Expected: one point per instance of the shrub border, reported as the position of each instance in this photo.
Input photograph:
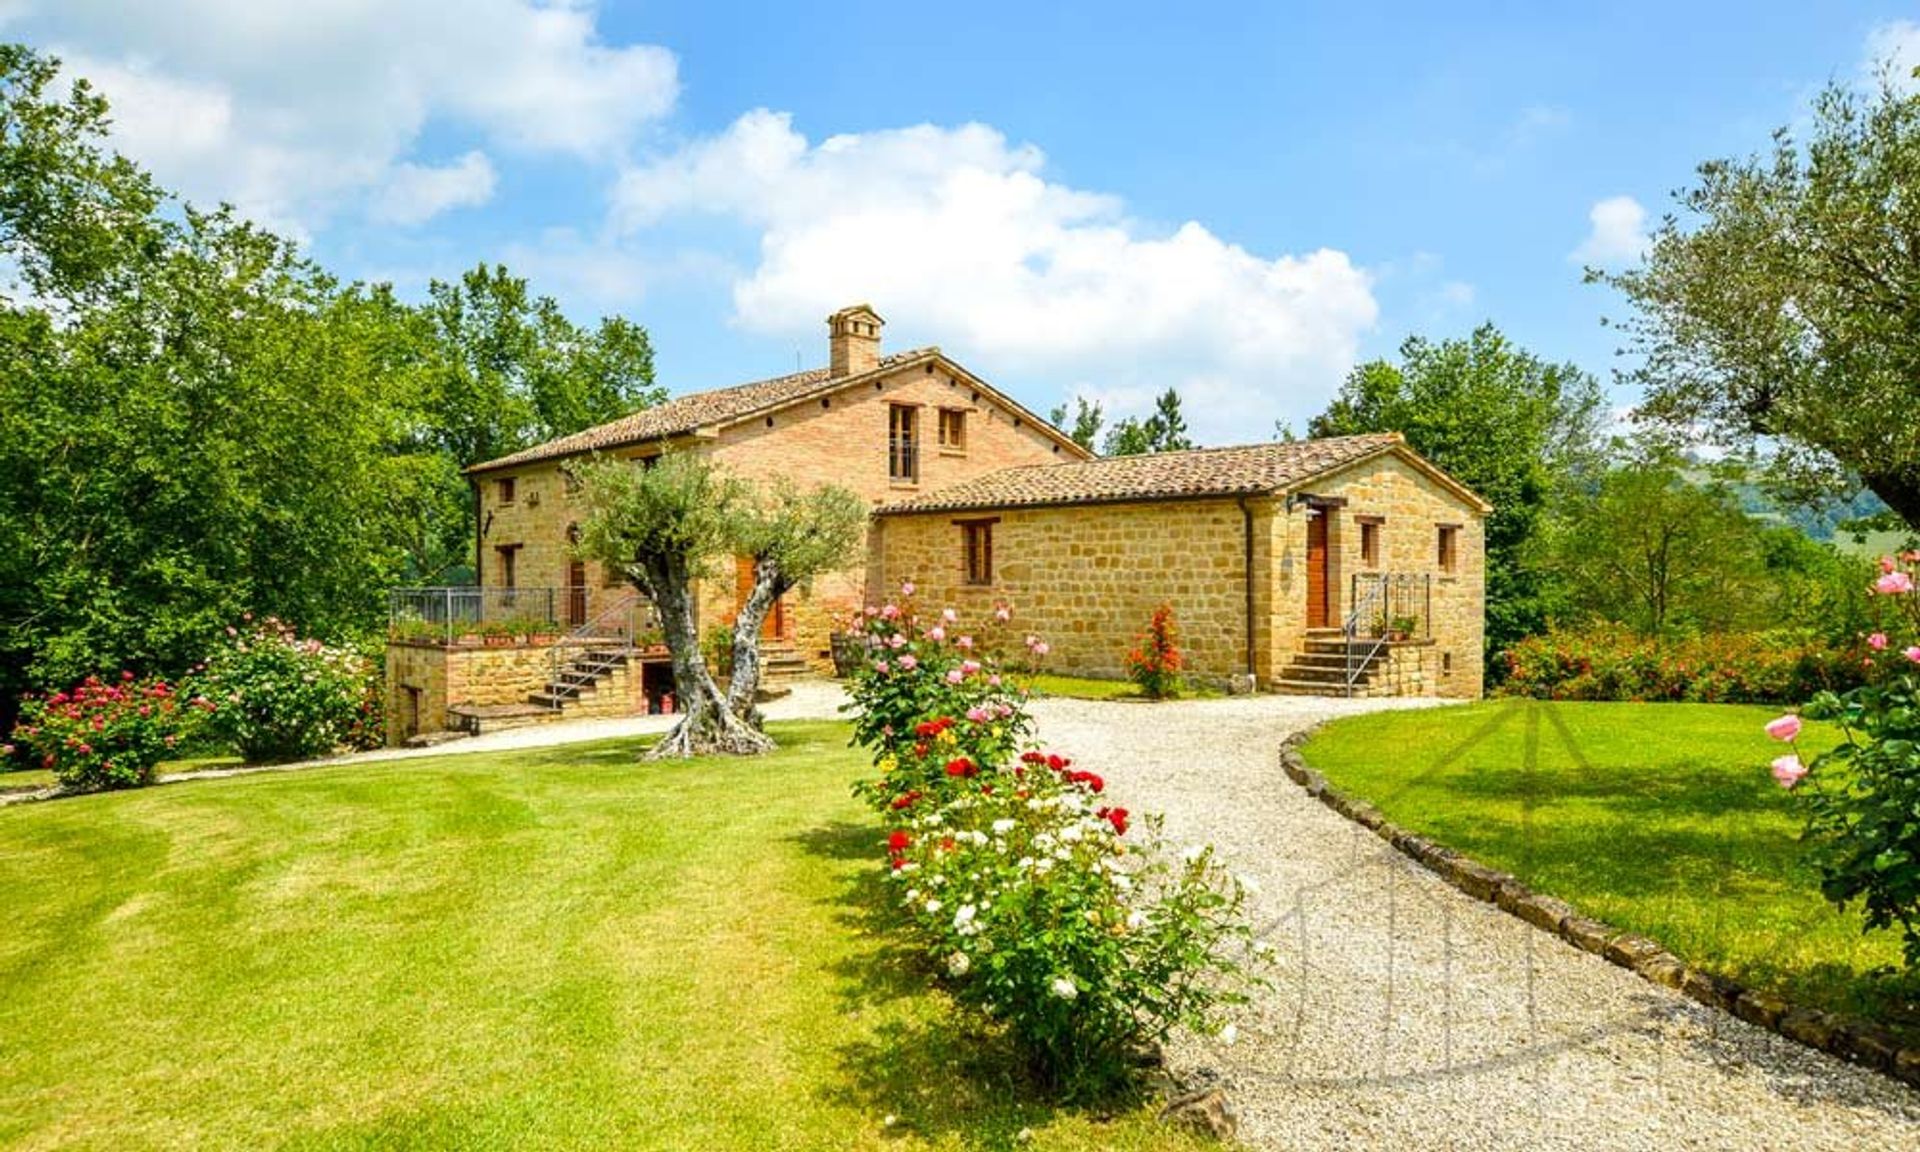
(1852, 1040)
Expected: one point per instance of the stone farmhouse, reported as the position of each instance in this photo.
(1338, 566)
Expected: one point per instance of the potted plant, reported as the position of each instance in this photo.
(497, 634)
(1403, 627)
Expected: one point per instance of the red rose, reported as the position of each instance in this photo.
(1033, 757)
(1058, 763)
(1116, 817)
(899, 841)
(962, 767)
(905, 800)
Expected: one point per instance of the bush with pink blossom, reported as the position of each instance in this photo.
(1862, 798)
(280, 696)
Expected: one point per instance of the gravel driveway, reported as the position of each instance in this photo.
(1407, 1015)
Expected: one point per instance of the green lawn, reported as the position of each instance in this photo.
(1658, 818)
(553, 949)
(1087, 688)
(34, 779)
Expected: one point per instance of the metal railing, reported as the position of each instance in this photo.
(451, 615)
(1385, 607)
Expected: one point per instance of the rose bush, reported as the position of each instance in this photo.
(280, 696)
(1862, 799)
(1038, 900)
(104, 734)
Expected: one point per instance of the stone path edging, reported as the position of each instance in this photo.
(1852, 1040)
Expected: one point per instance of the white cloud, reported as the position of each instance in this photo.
(957, 234)
(1894, 46)
(294, 109)
(1618, 234)
(416, 193)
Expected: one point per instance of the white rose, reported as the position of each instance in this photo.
(958, 965)
(1063, 988)
(1002, 827)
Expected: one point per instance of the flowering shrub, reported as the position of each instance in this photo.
(1038, 901)
(1863, 798)
(281, 697)
(1154, 663)
(104, 734)
(1612, 663)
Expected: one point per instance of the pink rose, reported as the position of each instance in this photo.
(880, 666)
(1003, 613)
(890, 611)
(908, 663)
(965, 643)
(1785, 728)
(1042, 648)
(936, 633)
(976, 714)
(1788, 770)
(994, 680)
(949, 615)
(896, 641)
(1877, 641)
(906, 589)
(1893, 584)
(1913, 653)
(956, 676)
(1886, 563)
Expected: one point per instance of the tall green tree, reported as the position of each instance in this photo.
(1781, 306)
(1163, 430)
(1088, 418)
(1511, 426)
(196, 421)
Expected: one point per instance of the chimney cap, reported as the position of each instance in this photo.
(853, 310)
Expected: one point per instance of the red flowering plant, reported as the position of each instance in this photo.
(1044, 904)
(282, 696)
(1154, 662)
(930, 694)
(1862, 798)
(103, 734)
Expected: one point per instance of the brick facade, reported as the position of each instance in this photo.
(839, 438)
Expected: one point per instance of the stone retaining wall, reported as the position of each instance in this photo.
(1858, 1042)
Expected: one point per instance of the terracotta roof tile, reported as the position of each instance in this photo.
(1256, 468)
(695, 410)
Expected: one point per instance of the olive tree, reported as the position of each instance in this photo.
(1780, 307)
(791, 537)
(662, 524)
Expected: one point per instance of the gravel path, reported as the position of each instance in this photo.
(1407, 1015)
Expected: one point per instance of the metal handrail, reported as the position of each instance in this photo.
(1379, 600)
(1368, 597)
(617, 620)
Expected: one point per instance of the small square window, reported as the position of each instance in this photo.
(1448, 550)
(1370, 543)
(503, 490)
(976, 539)
(953, 430)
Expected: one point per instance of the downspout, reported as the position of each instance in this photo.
(479, 570)
(1246, 516)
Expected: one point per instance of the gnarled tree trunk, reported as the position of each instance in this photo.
(768, 587)
(707, 724)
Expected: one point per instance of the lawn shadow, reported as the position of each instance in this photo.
(943, 1074)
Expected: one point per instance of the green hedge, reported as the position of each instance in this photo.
(1610, 663)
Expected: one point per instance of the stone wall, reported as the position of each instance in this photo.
(1088, 577)
(1410, 506)
(489, 676)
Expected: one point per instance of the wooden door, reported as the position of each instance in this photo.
(775, 627)
(577, 594)
(1318, 586)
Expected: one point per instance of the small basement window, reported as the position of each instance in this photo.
(1447, 548)
(953, 430)
(976, 542)
(503, 490)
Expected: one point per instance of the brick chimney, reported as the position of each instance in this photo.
(853, 339)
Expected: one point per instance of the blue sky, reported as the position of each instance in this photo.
(1238, 200)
